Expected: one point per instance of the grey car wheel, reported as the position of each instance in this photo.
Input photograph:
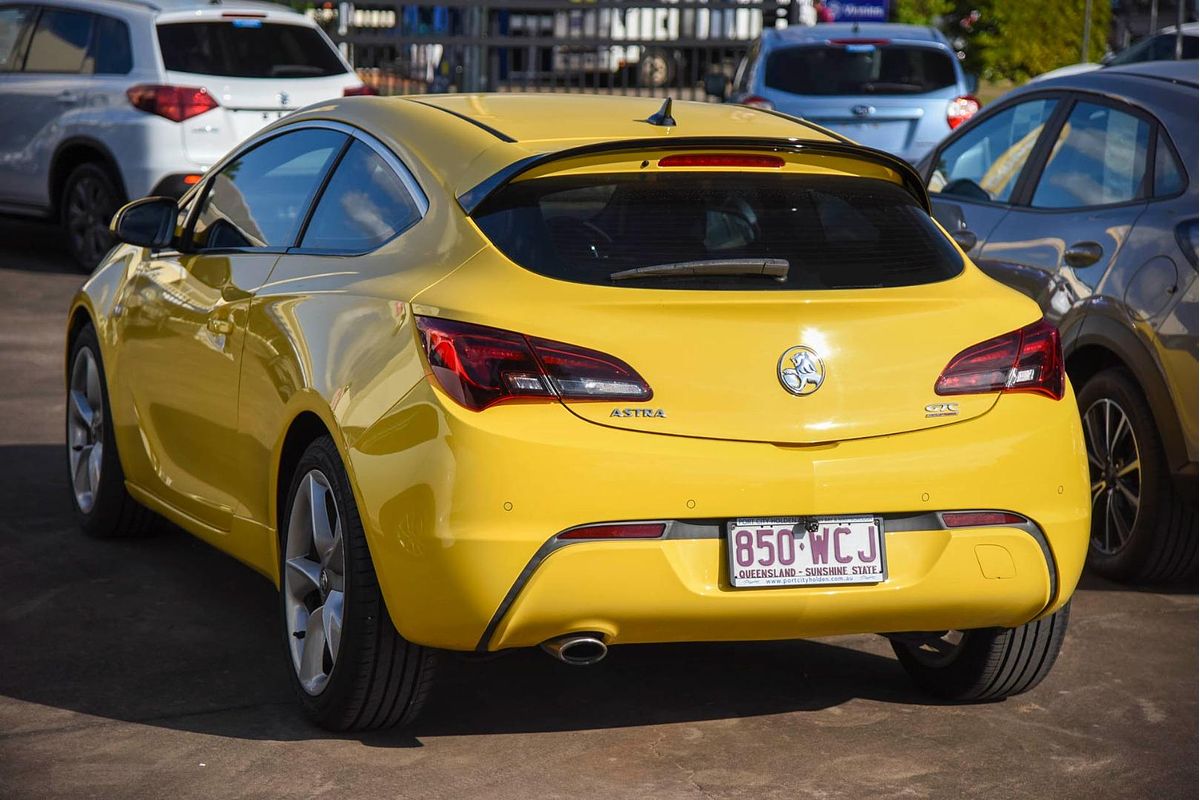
(85, 428)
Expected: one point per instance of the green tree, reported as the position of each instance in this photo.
(922, 12)
(1017, 40)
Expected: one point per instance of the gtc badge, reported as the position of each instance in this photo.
(801, 370)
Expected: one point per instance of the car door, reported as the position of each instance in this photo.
(972, 178)
(1057, 243)
(184, 320)
(48, 89)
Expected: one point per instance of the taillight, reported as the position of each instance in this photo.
(359, 91)
(480, 366)
(978, 519)
(961, 109)
(721, 160)
(635, 530)
(754, 101)
(1025, 360)
(176, 103)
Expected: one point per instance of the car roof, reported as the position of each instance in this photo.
(467, 138)
(173, 6)
(1185, 72)
(798, 34)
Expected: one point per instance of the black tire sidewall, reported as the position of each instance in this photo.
(1120, 387)
(101, 174)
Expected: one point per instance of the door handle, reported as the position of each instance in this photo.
(1082, 254)
(220, 326)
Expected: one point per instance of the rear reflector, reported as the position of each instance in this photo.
(176, 103)
(721, 160)
(754, 101)
(977, 519)
(191, 180)
(1025, 360)
(480, 367)
(359, 91)
(641, 530)
(961, 109)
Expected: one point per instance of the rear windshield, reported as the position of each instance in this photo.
(247, 48)
(828, 232)
(859, 69)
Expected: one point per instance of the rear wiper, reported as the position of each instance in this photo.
(776, 268)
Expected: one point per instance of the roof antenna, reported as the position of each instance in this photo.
(662, 116)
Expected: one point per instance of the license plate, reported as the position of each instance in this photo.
(789, 551)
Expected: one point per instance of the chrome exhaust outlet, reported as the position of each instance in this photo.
(580, 649)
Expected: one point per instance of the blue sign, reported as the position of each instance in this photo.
(858, 10)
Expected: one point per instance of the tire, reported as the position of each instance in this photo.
(369, 676)
(89, 200)
(986, 664)
(96, 481)
(1155, 539)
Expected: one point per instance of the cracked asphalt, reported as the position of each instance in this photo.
(150, 669)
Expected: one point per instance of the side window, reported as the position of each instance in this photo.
(14, 27)
(60, 42)
(111, 53)
(1098, 159)
(985, 162)
(365, 204)
(1168, 174)
(259, 199)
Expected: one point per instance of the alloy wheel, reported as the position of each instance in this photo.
(314, 582)
(85, 428)
(90, 206)
(1116, 475)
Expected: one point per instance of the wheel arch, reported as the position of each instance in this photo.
(69, 155)
(305, 428)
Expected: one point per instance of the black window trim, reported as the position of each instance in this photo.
(1052, 123)
(420, 198)
(1161, 134)
(1024, 193)
(21, 46)
(42, 8)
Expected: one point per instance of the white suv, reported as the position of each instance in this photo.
(103, 101)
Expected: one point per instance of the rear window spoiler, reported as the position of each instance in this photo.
(472, 198)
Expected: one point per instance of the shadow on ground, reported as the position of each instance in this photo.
(35, 246)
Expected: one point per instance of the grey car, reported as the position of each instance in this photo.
(893, 87)
(1080, 191)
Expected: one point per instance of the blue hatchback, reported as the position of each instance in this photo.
(897, 88)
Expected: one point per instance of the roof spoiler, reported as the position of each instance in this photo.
(472, 198)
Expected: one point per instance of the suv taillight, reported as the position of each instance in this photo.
(1025, 360)
(176, 103)
(961, 109)
(480, 367)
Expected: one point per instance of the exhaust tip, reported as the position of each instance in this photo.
(580, 649)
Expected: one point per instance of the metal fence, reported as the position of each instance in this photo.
(610, 46)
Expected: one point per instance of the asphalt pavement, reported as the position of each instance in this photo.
(152, 669)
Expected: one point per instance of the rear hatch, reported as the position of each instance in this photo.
(258, 66)
(858, 303)
(875, 92)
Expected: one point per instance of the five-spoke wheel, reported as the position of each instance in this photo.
(85, 428)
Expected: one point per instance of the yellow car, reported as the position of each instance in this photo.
(482, 372)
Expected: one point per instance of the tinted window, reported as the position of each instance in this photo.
(247, 48)
(1168, 174)
(1156, 48)
(14, 20)
(259, 199)
(60, 43)
(859, 69)
(1098, 158)
(833, 232)
(111, 52)
(364, 205)
(985, 162)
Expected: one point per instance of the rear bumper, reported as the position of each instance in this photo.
(460, 542)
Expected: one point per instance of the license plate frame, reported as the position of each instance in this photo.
(821, 564)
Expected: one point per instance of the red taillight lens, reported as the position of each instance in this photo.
(721, 160)
(176, 103)
(480, 366)
(641, 530)
(359, 91)
(1025, 360)
(961, 109)
(976, 519)
(754, 101)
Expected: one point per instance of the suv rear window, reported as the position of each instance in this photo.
(247, 48)
(832, 232)
(859, 69)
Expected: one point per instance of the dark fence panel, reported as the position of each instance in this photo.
(602, 46)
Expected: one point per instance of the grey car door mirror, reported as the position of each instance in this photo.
(965, 239)
(149, 222)
(1082, 254)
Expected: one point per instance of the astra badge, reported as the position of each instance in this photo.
(801, 370)
(638, 412)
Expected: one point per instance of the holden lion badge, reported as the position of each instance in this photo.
(801, 370)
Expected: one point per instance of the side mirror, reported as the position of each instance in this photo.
(149, 222)
(716, 85)
(964, 239)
